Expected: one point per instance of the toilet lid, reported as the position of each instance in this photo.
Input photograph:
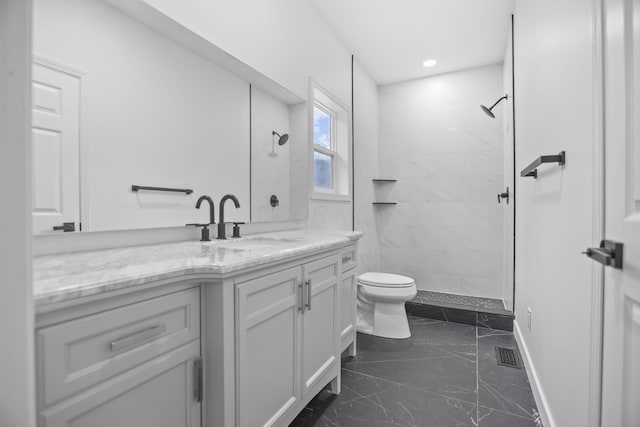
(386, 280)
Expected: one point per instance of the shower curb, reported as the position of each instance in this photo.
(473, 317)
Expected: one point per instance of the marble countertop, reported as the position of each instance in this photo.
(63, 277)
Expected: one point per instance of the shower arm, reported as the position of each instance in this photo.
(498, 101)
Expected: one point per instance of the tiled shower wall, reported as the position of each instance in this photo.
(446, 230)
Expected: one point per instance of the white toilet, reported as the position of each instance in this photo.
(381, 298)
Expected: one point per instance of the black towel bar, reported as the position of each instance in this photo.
(532, 169)
(136, 188)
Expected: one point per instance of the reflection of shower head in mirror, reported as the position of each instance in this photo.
(488, 111)
(282, 139)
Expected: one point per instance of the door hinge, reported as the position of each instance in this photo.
(197, 379)
(609, 253)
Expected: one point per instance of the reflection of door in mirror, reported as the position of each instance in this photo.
(55, 149)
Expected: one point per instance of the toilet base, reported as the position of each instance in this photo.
(383, 320)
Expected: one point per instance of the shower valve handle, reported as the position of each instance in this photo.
(504, 195)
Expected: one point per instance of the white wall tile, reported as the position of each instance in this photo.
(446, 230)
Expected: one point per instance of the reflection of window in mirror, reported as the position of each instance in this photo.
(324, 147)
(330, 148)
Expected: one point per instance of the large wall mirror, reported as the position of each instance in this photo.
(118, 104)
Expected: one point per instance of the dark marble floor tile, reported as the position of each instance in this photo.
(454, 315)
(488, 417)
(367, 401)
(501, 387)
(445, 374)
(427, 311)
(429, 339)
(461, 316)
(451, 375)
(440, 357)
(495, 321)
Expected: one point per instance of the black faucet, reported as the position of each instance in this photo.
(212, 218)
(221, 224)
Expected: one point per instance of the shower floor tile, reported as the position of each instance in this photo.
(444, 375)
(465, 302)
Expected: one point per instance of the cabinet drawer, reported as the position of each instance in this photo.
(349, 256)
(84, 352)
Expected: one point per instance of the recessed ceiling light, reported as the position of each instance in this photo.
(429, 63)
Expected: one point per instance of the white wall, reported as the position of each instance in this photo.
(152, 113)
(17, 379)
(446, 230)
(365, 126)
(270, 162)
(299, 158)
(554, 103)
(286, 40)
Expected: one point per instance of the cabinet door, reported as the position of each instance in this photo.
(159, 393)
(348, 304)
(321, 319)
(268, 340)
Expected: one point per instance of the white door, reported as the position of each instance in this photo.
(55, 149)
(621, 346)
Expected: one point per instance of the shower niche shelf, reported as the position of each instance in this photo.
(384, 181)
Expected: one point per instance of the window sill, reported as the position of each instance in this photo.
(316, 195)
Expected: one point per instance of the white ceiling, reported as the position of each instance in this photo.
(391, 38)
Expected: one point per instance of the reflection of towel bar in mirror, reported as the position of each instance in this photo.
(532, 169)
(136, 188)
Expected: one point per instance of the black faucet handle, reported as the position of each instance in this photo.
(205, 231)
(236, 229)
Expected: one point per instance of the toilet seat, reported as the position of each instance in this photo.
(385, 280)
(387, 294)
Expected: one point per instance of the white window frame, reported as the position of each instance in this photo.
(341, 150)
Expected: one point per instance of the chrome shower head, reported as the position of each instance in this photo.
(282, 139)
(488, 111)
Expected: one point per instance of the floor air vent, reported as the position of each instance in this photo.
(507, 357)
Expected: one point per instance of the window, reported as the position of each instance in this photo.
(324, 152)
(330, 148)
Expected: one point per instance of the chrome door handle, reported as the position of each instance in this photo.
(302, 305)
(137, 337)
(309, 294)
(609, 253)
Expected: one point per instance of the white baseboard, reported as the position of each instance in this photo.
(536, 388)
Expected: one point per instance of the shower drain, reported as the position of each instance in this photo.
(507, 357)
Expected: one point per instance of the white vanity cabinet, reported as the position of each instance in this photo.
(287, 340)
(348, 289)
(131, 365)
(239, 333)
